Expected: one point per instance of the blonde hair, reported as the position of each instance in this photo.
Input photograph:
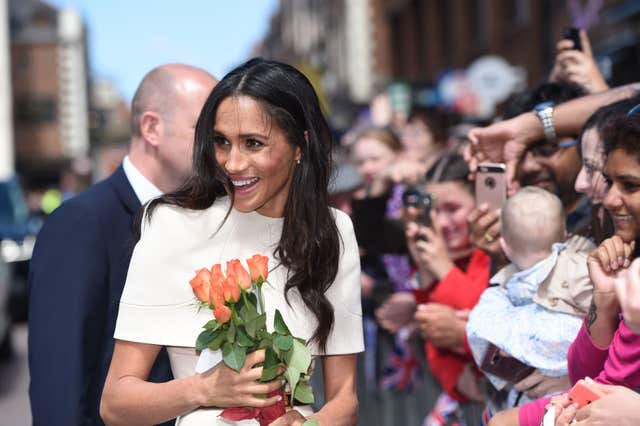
(532, 220)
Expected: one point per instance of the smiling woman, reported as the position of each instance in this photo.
(255, 155)
(261, 170)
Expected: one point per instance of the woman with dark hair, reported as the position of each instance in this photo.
(606, 348)
(590, 180)
(261, 169)
(424, 136)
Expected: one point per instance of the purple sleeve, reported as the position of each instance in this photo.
(622, 366)
(585, 358)
(531, 413)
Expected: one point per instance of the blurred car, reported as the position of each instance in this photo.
(5, 317)
(17, 238)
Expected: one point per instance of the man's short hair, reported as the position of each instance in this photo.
(153, 94)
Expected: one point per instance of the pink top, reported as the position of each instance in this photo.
(618, 364)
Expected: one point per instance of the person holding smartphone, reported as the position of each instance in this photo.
(575, 63)
(450, 275)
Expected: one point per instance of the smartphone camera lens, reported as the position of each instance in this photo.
(490, 182)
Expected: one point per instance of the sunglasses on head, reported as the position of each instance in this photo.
(634, 110)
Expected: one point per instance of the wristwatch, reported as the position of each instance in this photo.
(544, 111)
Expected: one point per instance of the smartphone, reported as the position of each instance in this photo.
(583, 393)
(573, 34)
(422, 201)
(505, 367)
(491, 185)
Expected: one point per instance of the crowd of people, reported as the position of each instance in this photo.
(501, 307)
(422, 302)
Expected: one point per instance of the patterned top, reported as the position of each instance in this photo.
(510, 319)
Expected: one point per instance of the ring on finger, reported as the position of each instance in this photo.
(488, 238)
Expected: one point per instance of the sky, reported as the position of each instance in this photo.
(127, 38)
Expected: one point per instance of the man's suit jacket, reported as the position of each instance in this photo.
(76, 277)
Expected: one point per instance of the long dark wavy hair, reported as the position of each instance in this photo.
(310, 244)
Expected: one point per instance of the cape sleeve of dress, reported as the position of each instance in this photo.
(157, 304)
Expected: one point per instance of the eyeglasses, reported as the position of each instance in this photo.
(546, 149)
(634, 110)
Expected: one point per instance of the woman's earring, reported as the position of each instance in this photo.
(298, 161)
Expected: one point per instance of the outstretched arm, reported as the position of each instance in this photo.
(507, 140)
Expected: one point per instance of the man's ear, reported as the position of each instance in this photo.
(150, 127)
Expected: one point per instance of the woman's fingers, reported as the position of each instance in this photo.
(564, 44)
(566, 416)
(618, 256)
(586, 44)
(528, 382)
(254, 401)
(256, 388)
(604, 254)
(628, 251)
(252, 359)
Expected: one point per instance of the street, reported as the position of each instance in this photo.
(14, 383)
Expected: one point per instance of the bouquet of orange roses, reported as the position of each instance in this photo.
(239, 327)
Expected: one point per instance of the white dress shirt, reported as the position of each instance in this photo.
(144, 189)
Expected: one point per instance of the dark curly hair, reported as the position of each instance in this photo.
(622, 132)
(310, 243)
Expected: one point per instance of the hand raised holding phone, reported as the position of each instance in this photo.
(575, 62)
(428, 248)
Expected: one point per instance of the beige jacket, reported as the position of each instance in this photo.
(568, 287)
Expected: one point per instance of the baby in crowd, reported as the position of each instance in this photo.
(534, 307)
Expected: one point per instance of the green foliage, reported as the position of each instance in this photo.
(303, 393)
(212, 325)
(279, 324)
(231, 332)
(233, 355)
(293, 376)
(299, 357)
(283, 343)
(246, 332)
(205, 338)
(243, 339)
(217, 342)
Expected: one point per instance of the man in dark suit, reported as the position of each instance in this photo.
(82, 253)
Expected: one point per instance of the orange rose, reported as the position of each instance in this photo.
(216, 270)
(222, 313)
(216, 293)
(238, 274)
(258, 267)
(201, 284)
(231, 291)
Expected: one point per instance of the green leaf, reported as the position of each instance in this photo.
(283, 343)
(269, 374)
(217, 342)
(304, 393)
(279, 324)
(270, 358)
(212, 325)
(299, 357)
(266, 342)
(242, 338)
(231, 334)
(205, 338)
(233, 356)
(255, 324)
(293, 376)
(310, 422)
